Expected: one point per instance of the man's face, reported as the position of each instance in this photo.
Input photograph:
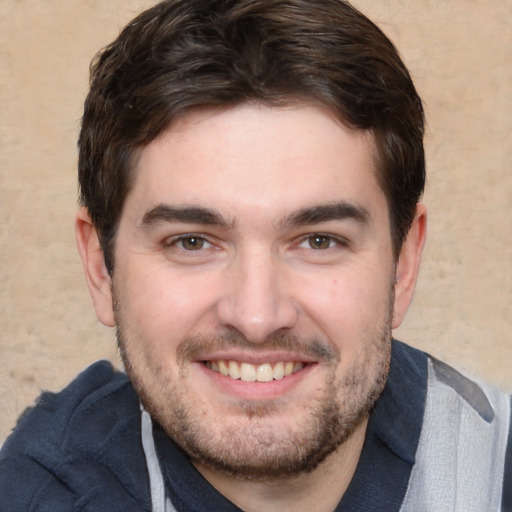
(253, 286)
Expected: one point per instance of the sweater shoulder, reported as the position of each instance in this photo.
(52, 415)
(75, 444)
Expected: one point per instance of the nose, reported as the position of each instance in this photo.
(255, 300)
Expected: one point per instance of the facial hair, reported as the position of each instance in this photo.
(253, 443)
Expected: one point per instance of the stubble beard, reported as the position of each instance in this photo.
(254, 446)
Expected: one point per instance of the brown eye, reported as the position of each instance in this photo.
(320, 242)
(192, 243)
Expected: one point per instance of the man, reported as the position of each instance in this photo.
(250, 175)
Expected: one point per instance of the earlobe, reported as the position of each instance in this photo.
(96, 274)
(408, 265)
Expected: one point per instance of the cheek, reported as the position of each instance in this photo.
(164, 302)
(352, 302)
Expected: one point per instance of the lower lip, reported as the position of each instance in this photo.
(256, 390)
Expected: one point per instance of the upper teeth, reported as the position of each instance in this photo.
(251, 372)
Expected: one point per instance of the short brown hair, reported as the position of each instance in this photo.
(185, 54)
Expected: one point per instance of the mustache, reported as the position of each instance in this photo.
(318, 349)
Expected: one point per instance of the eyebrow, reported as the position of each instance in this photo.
(187, 214)
(341, 210)
(326, 212)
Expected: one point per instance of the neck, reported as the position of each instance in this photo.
(321, 490)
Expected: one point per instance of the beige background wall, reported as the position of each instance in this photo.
(459, 52)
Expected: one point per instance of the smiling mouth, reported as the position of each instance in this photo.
(247, 372)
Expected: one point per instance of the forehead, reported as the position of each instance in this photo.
(267, 158)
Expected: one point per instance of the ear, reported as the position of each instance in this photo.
(96, 274)
(409, 264)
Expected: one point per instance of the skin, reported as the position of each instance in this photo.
(258, 235)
